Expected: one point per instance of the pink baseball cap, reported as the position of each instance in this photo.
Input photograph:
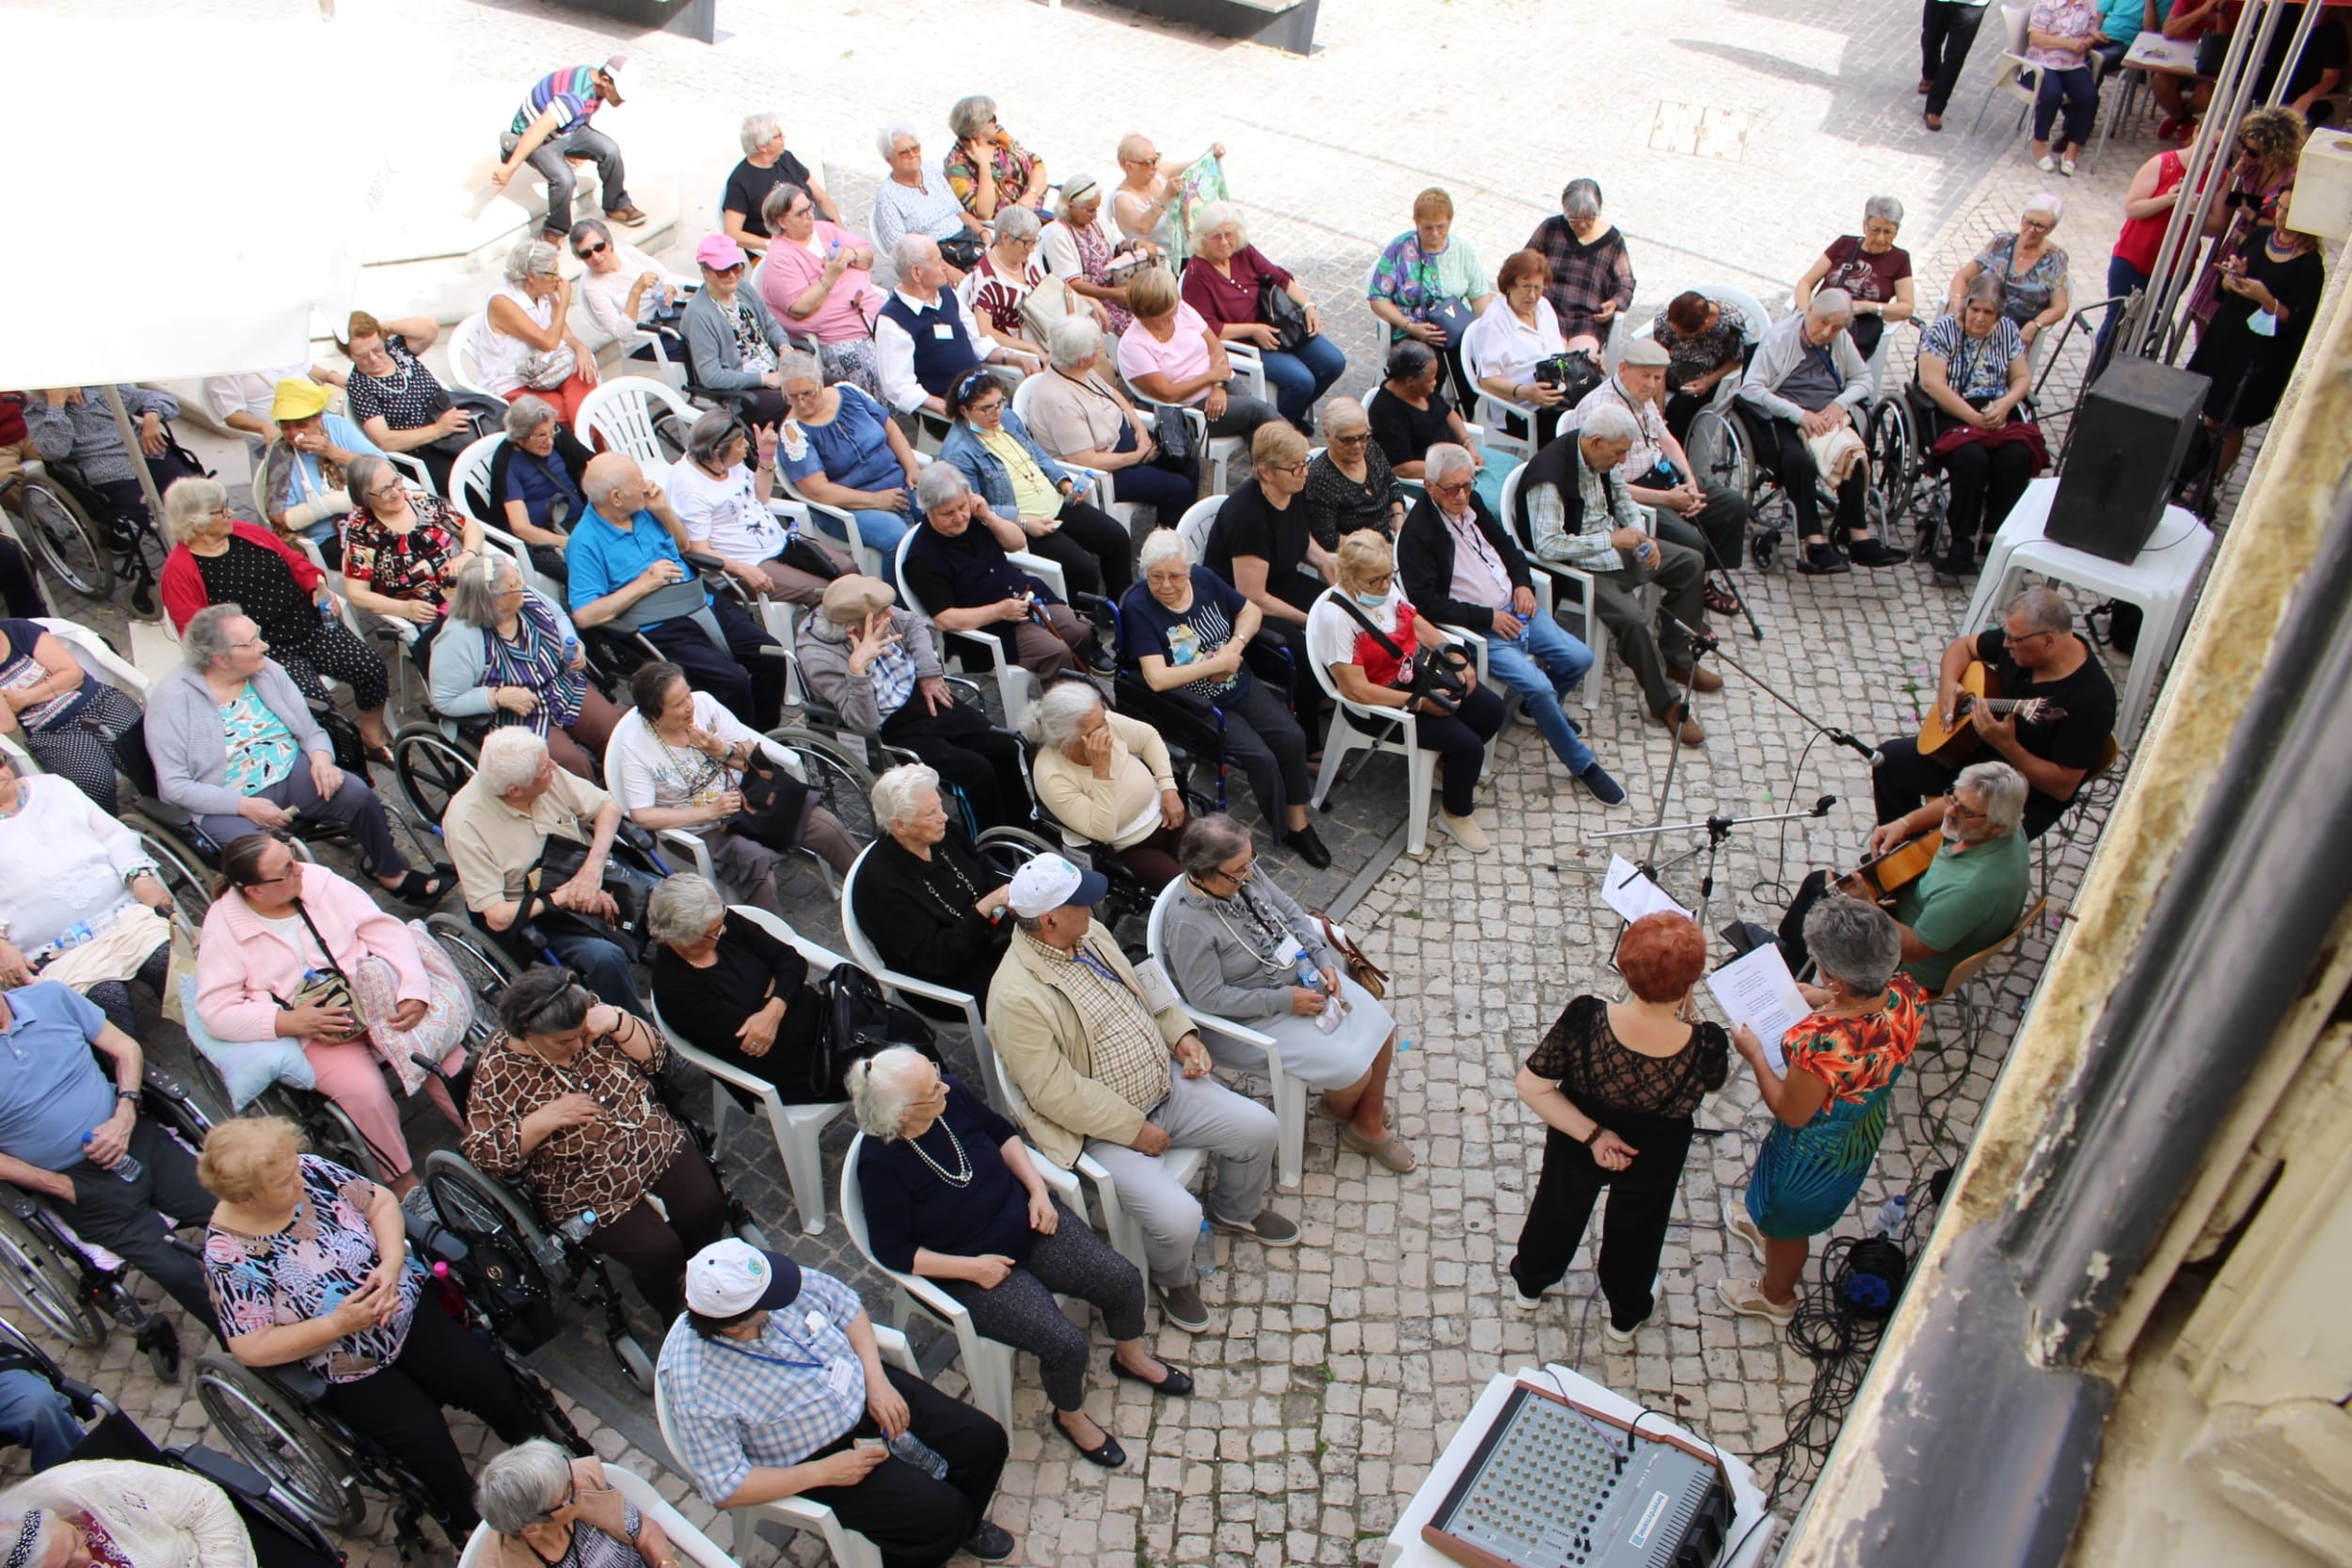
(720, 252)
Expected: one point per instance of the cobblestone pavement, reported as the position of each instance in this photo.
(1334, 1373)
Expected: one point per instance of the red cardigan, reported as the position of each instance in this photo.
(184, 581)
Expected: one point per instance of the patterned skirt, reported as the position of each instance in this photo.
(1805, 1177)
(853, 360)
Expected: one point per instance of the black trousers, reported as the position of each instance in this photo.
(969, 752)
(916, 1521)
(1987, 481)
(121, 1215)
(1020, 1309)
(83, 747)
(20, 590)
(1780, 449)
(1632, 1232)
(748, 682)
(113, 997)
(1265, 740)
(1946, 32)
(1905, 780)
(1460, 741)
(1092, 550)
(655, 1250)
(1166, 489)
(332, 648)
(400, 1406)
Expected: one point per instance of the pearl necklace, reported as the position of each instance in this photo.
(962, 1175)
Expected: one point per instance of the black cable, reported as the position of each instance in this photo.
(1777, 883)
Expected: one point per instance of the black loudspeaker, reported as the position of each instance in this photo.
(2130, 433)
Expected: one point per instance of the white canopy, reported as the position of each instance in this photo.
(190, 192)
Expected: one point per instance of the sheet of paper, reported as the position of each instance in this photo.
(1756, 990)
(1624, 889)
(2156, 51)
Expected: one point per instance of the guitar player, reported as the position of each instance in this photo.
(1970, 894)
(2035, 653)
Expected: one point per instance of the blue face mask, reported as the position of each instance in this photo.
(1372, 601)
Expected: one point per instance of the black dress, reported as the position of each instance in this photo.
(2249, 372)
(708, 1005)
(918, 913)
(1646, 1100)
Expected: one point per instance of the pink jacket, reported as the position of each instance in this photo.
(241, 962)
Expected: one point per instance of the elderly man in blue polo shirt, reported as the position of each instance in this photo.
(773, 1386)
(632, 574)
(68, 1136)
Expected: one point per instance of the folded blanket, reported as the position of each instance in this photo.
(1835, 452)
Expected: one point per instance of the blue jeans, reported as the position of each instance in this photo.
(35, 1416)
(2123, 277)
(2079, 89)
(1297, 377)
(1543, 665)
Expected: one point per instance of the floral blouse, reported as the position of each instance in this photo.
(1687, 359)
(604, 1164)
(414, 564)
(1007, 161)
(304, 1271)
(2031, 291)
(1857, 1055)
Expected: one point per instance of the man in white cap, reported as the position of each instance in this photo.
(551, 130)
(1105, 1075)
(774, 1387)
(1704, 516)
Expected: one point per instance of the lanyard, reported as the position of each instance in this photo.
(1087, 959)
(770, 1360)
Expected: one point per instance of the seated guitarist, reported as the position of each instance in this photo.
(2036, 654)
(1968, 898)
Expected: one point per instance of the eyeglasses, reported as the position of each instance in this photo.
(984, 408)
(286, 876)
(1380, 581)
(585, 252)
(1248, 869)
(1457, 488)
(1356, 440)
(2014, 638)
(1297, 468)
(1953, 801)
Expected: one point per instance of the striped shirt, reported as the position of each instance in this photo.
(572, 89)
(736, 1405)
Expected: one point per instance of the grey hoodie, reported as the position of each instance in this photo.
(824, 653)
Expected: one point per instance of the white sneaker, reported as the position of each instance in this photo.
(2046, 164)
(2066, 166)
(1466, 832)
(1521, 1301)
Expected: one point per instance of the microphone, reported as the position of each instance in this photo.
(1820, 807)
(1839, 737)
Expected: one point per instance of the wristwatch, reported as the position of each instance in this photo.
(131, 1095)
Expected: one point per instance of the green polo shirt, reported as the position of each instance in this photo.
(1964, 903)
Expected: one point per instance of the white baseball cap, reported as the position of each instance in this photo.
(622, 72)
(1049, 881)
(729, 1278)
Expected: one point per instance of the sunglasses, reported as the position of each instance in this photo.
(583, 252)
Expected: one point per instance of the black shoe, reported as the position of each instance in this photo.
(1820, 561)
(1608, 791)
(990, 1542)
(1308, 846)
(1875, 551)
(1960, 563)
(1175, 1385)
(1108, 1455)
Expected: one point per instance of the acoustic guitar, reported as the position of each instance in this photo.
(1877, 879)
(1978, 687)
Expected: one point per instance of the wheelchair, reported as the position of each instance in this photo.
(1900, 436)
(1724, 447)
(77, 1289)
(273, 1419)
(282, 1534)
(83, 540)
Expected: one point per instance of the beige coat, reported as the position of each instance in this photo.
(160, 1517)
(1122, 810)
(1045, 1050)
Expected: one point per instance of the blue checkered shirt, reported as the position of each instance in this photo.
(731, 1411)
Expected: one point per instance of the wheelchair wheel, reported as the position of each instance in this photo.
(1006, 850)
(1893, 465)
(186, 876)
(267, 1430)
(70, 542)
(47, 1281)
(474, 1206)
(844, 786)
(1719, 453)
(485, 966)
(431, 767)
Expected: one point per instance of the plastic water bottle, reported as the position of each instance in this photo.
(1204, 1252)
(75, 935)
(920, 1454)
(576, 1230)
(1312, 978)
(128, 1167)
(1891, 1214)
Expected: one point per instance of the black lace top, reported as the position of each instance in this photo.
(1602, 1075)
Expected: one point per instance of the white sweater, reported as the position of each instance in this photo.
(159, 1517)
(61, 860)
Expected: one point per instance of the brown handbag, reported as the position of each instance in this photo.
(1360, 968)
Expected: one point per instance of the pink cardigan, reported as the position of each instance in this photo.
(849, 309)
(242, 961)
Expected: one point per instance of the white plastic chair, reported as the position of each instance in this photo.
(1183, 1166)
(1220, 452)
(1399, 731)
(620, 412)
(470, 475)
(2008, 66)
(1014, 685)
(849, 1548)
(465, 353)
(1549, 577)
(1197, 524)
(987, 1363)
(95, 658)
(841, 527)
(694, 1549)
(797, 1127)
(1244, 1045)
(907, 988)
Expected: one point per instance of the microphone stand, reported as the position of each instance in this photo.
(1703, 643)
(1718, 832)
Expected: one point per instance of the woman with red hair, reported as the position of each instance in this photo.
(1616, 1083)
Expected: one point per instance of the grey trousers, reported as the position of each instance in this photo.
(552, 160)
(355, 805)
(1616, 595)
(1198, 1113)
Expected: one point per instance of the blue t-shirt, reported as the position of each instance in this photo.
(50, 1088)
(600, 556)
(1147, 627)
(852, 450)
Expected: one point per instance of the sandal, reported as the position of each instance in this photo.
(1721, 600)
(1390, 1150)
(419, 887)
(380, 754)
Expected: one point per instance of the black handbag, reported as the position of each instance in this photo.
(1436, 678)
(1287, 318)
(775, 807)
(1455, 315)
(562, 859)
(962, 251)
(858, 1021)
(1172, 429)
